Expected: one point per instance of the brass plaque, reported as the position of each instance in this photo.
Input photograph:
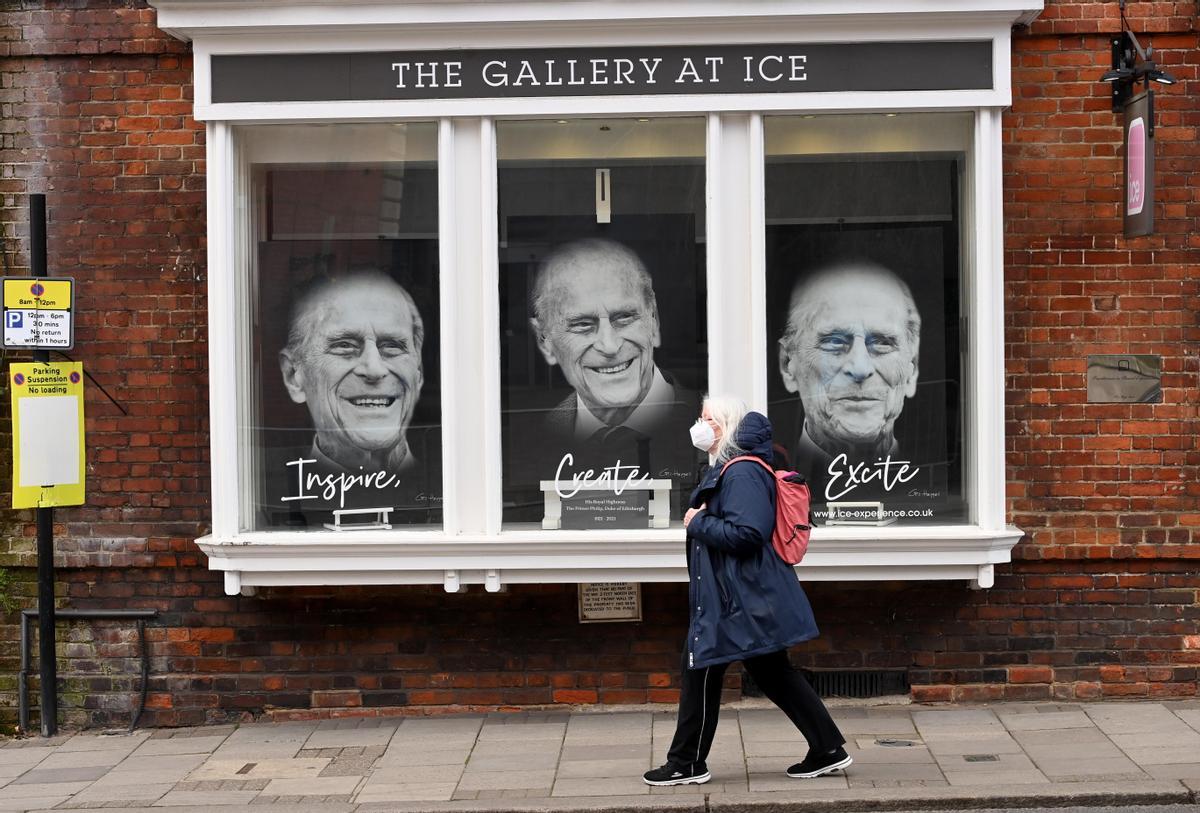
(1129, 379)
(616, 601)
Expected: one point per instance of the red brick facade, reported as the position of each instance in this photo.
(1102, 600)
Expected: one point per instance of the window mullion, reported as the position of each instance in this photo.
(736, 365)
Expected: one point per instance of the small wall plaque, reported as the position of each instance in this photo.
(1127, 379)
(613, 601)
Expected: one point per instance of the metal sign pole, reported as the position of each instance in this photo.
(47, 665)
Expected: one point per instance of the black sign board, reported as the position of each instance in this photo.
(642, 70)
(1139, 165)
(591, 510)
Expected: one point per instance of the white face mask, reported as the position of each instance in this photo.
(703, 436)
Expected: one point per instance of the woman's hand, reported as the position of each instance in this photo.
(691, 512)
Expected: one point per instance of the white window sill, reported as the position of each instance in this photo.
(283, 558)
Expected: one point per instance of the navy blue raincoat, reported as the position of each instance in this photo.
(744, 600)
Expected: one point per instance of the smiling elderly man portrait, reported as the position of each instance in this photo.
(595, 316)
(850, 351)
(353, 358)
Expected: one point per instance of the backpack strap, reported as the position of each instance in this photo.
(757, 460)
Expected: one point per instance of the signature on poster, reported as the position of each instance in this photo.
(889, 473)
(616, 477)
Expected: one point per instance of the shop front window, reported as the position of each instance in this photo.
(865, 264)
(343, 420)
(602, 318)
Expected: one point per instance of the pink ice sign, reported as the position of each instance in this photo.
(1135, 183)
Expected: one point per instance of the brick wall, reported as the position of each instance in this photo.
(1102, 600)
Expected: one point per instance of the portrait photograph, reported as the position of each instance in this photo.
(603, 353)
(864, 366)
(347, 372)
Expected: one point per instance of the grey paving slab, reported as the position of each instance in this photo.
(427, 774)
(777, 781)
(147, 764)
(489, 780)
(503, 749)
(1133, 718)
(996, 779)
(866, 751)
(1187, 771)
(28, 791)
(351, 737)
(276, 740)
(433, 791)
(416, 757)
(1071, 770)
(1189, 716)
(601, 786)
(10, 772)
(23, 757)
(97, 795)
(1003, 763)
(958, 746)
(206, 800)
(605, 768)
(238, 769)
(43, 803)
(82, 759)
(47, 776)
(104, 742)
(605, 721)
(179, 745)
(893, 772)
(522, 733)
(313, 786)
(1054, 721)
(1161, 755)
(632, 750)
(514, 762)
(441, 728)
(897, 783)
(954, 719)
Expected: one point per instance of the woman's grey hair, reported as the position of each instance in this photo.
(727, 412)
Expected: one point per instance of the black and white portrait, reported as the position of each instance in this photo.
(850, 352)
(603, 355)
(864, 333)
(347, 330)
(594, 314)
(353, 358)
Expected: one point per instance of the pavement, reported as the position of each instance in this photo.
(906, 756)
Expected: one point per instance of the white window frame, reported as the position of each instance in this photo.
(472, 547)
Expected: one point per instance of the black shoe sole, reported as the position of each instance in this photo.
(687, 780)
(837, 766)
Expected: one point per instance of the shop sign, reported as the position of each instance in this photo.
(37, 312)
(47, 412)
(1139, 165)
(643, 70)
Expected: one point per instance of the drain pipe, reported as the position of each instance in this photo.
(141, 616)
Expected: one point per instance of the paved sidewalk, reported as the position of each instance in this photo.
(904, 756)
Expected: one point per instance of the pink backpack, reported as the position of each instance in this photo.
(793, 522)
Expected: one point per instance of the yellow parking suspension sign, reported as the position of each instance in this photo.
(47, 412)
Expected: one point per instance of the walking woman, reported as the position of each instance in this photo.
(744, 603)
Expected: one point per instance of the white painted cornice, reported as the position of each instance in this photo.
(191, 19)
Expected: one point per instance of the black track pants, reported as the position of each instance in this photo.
(700, 704)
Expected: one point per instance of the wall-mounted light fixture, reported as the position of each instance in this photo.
(1127, 70)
